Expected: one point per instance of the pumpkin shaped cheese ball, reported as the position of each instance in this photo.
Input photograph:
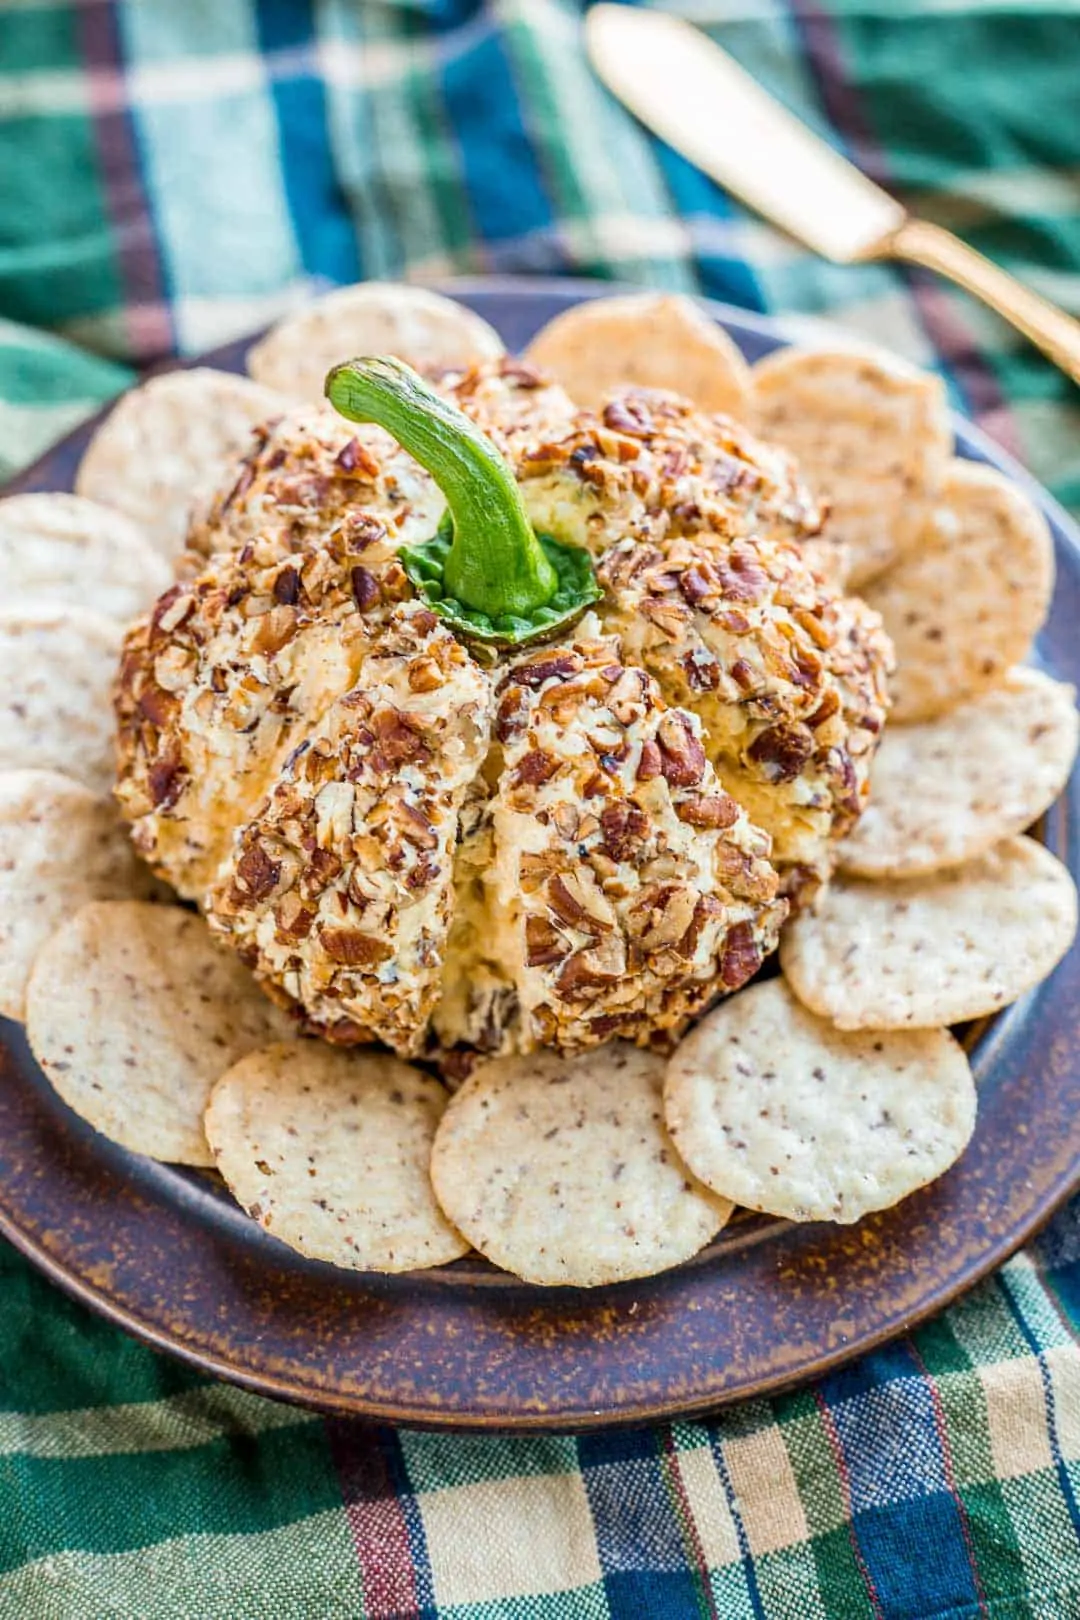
(479, 723)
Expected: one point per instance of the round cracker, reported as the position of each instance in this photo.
(60, 847)
(783, 1113)
(375, 317)
(329, 1151)
(64, 550)
(946, 790)
(167, 445)
(871, 437)
(133, 1012)
(561, 1170)
(646, 340)
(56, 673)
(933, 950)
(965, 607)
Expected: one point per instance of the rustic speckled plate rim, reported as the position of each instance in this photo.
(536, 1319)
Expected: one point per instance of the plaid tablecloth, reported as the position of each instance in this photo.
(173, 172)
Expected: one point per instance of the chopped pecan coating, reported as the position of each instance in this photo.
(706, 546)
(650, 465)
(223, 679)
(786, 675)
(510, 401)
(409, 847)
(609, 895)
(309, 473)
(352, 852)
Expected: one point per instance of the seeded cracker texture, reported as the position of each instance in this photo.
(70, 552)
(652, 340)
(563, 1172)
(419, 326)
(936, 949)
(57, 666)
(985, 770)
(164, 445)
(783, 1113)
(133, 1012)
(60, 847)
(873, 437)
(405, 843)
(966, 605)
(329, 1151)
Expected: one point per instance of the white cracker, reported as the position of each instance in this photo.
(648, 340)
(778, 1110)
(133, 1012)
(871, 437)
(561, 1170)
(374, 317)
(167, 445)
(329, 1151)
(964, 607)
(67, 551)
(933, 950)
(946, 790)
(60, 847)
(56, 673)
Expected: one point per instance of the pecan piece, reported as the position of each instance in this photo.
(741, 579)
(740, 957)
(415, 827)
(630, 416)
(365, 588)
(829, 705)
(545, 669)
(708, 906)
(628, 695)
(512, 715)
(701, 670)
(662, 915)
(354, 458)
(591, 968)
(166, 779)
(535, 768)
(575, 900)
(257, 872)
(708, 810)
(649, 765)
(360, 530)
(682, 757)
(544, 945)
(697, 583)
(742, 875)
(157, 705)
(425, 675)
(293, 918)
(397, 742)
(781, 751)
(624, 829)
(287, 586)
(275, 630)
(353, 948)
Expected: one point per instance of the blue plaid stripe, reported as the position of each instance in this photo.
(324, 231)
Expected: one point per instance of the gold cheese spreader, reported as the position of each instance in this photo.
(701, 102)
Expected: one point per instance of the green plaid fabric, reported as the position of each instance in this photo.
(172, 175)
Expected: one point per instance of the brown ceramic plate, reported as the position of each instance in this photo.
(165, 1254)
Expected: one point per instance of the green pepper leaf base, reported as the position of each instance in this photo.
(577, 590)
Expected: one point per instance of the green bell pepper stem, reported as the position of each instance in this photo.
(495, 565)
